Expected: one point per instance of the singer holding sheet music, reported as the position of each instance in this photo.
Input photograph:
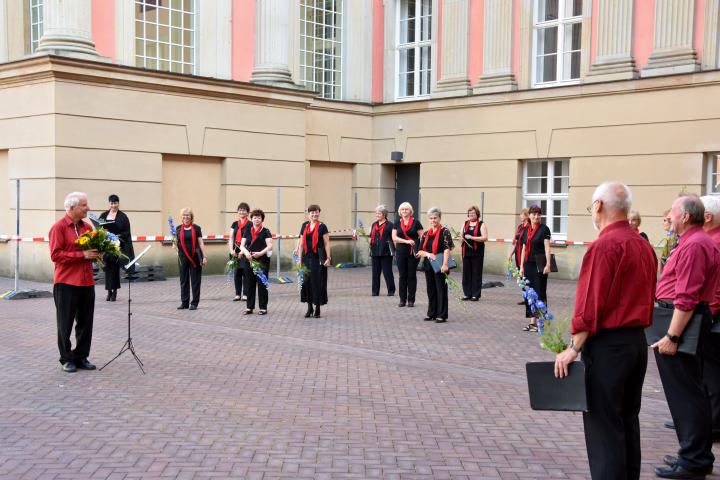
(406, 236)
(191, 259)
(119, 224)
(474, 236)
(313, 252)
(381, 251)
(436, 240)
(536, 260)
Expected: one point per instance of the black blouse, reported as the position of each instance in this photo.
(120, 227)
(381, 246)
(415, 227)
(537, 244)
(475, 248)
(445, 242)
(187, 234)
(234, 228)
(259, 244)
(308, 239)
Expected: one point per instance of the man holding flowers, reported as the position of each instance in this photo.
(74, 286)
(613, 305)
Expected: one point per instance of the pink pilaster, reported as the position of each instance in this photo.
(439, 40)
(593, 32)
(475, 39)
(243, 39)
(103, 27)
(698, 36)
(643, 29)
(378, 48)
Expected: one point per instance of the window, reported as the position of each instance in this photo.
(321, 46)
(36, 23)
(546, 184)
(414, 51)
(165, 35)
(713, 184)
(557, 39)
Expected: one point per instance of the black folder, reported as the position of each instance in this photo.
(547, 392)
(661, 323)
(437, 263)
(541, 261)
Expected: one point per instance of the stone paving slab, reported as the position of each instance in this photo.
(367, 391)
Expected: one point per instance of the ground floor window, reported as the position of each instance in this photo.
(545, 183)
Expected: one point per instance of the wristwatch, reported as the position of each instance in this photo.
(672, 338)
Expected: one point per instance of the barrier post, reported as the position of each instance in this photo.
(355, 219)
(277, 257)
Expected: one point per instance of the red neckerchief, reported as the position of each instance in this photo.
(405, 229)
(238, 234)
(314, 237)
(184, 248)
(518, 245)
(530, 234)
(254, 234)
(474, 233)
(436, 241)
(377, 229)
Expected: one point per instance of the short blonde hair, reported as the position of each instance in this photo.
(406, 205)
(189, 211)
(634, 214)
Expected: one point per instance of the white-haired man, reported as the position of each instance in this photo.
(711, 359)
(613, 305)
(687, 287)
(74, 286)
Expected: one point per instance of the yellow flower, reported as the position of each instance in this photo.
(83, 241)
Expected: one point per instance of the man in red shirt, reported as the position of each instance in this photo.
(687, 286)
(74, 286)
(613, 305)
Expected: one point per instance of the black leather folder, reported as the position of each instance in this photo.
(661, 322)
(547, 392)
(437, 263)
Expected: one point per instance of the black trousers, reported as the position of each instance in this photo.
(616, 361)
(711, 377)
(472, 275)
(407, 271)
(437, 291)
(314, 288)
(112, 273)
(190, 278)
(251, 281)
(681, 376)
(74, 304)
(382, 264)
(239, 277)
(538, 281)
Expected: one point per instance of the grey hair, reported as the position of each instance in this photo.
(693, 206)
(434, 211)
(73, 199)
(382, 209)
(635, 214)
(712, 206)
(614, 195)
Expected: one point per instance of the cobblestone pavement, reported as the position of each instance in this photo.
(367, 391)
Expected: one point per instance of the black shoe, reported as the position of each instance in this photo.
(182, 307)
(401, 304)
(429, 319)
(678, 472)
(193, 307)
(391, 294)
(521, 303)
(671, 460)
(85, 365)
(113, 297)
(716, 436)
(262, 312)
(309, 312)
(464, 299)
(441, 320)
(69, 367)
(248, 311)
(109, 296)
(411, 304)
(474, 299)
(317, 311)
(669, 424)
(375, 294)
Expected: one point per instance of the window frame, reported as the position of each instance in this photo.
(559, 23)
(156, 6)
(712, 186)
(339, 54)
(417, 46)
(36, 17)
(550, 196)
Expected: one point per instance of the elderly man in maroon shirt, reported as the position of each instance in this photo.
(613, 305)
(74, 286)
(687, 286)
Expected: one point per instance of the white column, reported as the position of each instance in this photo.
(498, 22)
(614, 59)
(67, 28)
(358, 38)
(272, 42)
(3, 33)
(454, 79)
(673, 50)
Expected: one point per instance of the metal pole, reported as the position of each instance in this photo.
(277, 258)
(355, 225)
(17, 233)
(482, 206)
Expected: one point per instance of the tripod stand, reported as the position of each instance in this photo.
(128, 345)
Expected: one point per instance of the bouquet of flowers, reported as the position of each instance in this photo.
(300, 271)
(105, 242)
(258, 271)
(553, 333)
(457, 234)
(361, 231)
(230, 267)
(173, 230)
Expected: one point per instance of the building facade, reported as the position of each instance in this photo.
(502, 103)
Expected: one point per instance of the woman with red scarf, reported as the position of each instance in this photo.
(191, 259)
(516, 250)
(436, 240)
(238, 229)
(257, 245)
(381, 252)
(474, 236)
(406, 235)
(535, 252)
(313, 251)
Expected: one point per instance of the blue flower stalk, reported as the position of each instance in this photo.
(173, 231)
(258, 271)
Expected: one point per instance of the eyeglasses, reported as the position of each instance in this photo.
(590, 207)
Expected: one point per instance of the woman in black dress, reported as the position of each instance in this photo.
(119, 224)
(475, 235)
(436, 240)
(535, 252)
(191, 259)
(313, 251)
(406, 236)
(238, 229)
(257, 245)
(381, 252)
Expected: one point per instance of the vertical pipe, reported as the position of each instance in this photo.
(355, 225)
(17, 233)
(482, 206)
(277, 231)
